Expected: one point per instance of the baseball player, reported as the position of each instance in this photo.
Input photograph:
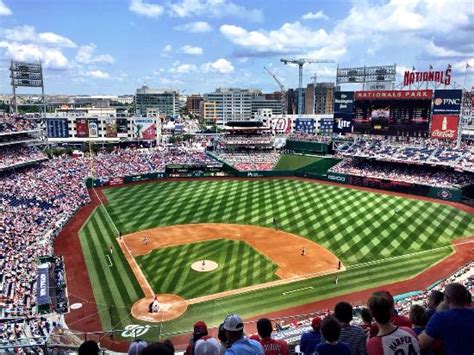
(145, 240)
(303, 251)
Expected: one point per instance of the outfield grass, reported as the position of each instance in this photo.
(356, 226)
(168, 269)
(294, 162)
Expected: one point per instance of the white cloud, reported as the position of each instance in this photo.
(315, 16)
(4, 10)
(183, 69)
(96, 74)
(195, 27)
(85, 55)
(140, 7)
(213, 8)
(221, 65)
(50, 38)
(187, 49)
(28, 34)
(51, 58)
(289, 38)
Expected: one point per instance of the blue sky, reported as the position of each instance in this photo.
(115, 46)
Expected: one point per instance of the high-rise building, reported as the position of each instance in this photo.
(266, 102)
(209, 112)
(324, 98)
(309, 99)
(232, 104)
(193, 104)
(165, 102)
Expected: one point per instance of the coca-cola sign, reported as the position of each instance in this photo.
(444, 127)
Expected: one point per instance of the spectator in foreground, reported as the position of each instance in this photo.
(136, 347)
(222, 339)
(207, 346)
(435, 298)
(159, 348)
(453, 327)
(89, 347)
(418, 318)
(311, 339)
(366, 320)
(331, 330)
(396, 319)
(237, 343)
(351, 335)
(200, 330)
(270, 346)
(390, 339)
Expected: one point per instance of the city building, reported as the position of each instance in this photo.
(324, 98)
(209, 112)
(266, 102)
(309, 99)
(163, 101)
(193, 104)
(232, 104)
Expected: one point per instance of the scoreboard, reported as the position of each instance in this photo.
(398, 113)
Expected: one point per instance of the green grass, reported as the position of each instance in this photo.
(168, 269)
(294, 162)
(356, 226)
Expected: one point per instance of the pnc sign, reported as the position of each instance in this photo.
(437, 76)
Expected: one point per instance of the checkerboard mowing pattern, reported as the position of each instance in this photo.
(358, 227)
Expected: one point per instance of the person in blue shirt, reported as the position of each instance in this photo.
(238, 344)
(309, 340)
(331, 330)
(453, 327)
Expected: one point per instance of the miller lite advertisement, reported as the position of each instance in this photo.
(447, 102)
(343, 123)
(444, 127)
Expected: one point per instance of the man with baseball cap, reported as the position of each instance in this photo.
(311, 339)
(238, 344)
(200, 330)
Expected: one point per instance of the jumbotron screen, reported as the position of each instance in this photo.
(393, 113)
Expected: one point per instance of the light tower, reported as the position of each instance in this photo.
(301, 62)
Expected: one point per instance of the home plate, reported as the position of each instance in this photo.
(204, 265)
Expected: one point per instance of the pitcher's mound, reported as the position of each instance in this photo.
(170, 307)
(204, 265)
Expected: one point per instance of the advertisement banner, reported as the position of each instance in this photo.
(110, 128)
(336, 177)
(281, 125)
(116, 181)
(444, 127)
(344, 102)
(447, 102)
(305, 125)
(394, 95)
(343, 122)
(325, 126)
(42, 285)
(145, 128)
(58, 128)
(82, 129)
(93, 127)
(122, 127)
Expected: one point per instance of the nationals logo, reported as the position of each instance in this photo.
(444, 127)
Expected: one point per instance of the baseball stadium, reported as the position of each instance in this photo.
(118, 230)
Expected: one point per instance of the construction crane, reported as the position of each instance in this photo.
(301, 62)
(282, 89)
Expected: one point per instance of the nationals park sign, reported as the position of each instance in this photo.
(394, 94)
(436, 76)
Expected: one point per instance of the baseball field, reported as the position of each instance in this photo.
(378, 238)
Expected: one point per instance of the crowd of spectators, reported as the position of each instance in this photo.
(251, 161)
(10, 124)
(12, 156)
(306, 137)
(233, 140)
(417, 151)
(423, 175)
